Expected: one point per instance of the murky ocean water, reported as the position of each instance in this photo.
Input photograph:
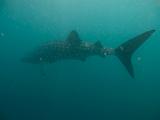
(97, 89)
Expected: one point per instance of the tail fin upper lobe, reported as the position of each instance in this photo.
(124, 51)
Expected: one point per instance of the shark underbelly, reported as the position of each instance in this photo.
(64, 54)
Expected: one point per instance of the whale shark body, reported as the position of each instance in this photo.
(74, 48)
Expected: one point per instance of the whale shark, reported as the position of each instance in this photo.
(73, 48)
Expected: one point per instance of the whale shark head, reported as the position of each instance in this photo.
(35, 57)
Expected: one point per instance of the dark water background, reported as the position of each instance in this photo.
(98, 89)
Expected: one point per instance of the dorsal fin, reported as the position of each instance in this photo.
(73, 38)
(98, 44)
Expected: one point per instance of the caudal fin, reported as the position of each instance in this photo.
(125, 51)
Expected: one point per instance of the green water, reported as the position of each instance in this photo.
(98, 89)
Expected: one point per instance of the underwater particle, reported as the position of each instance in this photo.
(105, 54)
(40, 59)
(121, 48)
(139, 58)
(1, 34)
